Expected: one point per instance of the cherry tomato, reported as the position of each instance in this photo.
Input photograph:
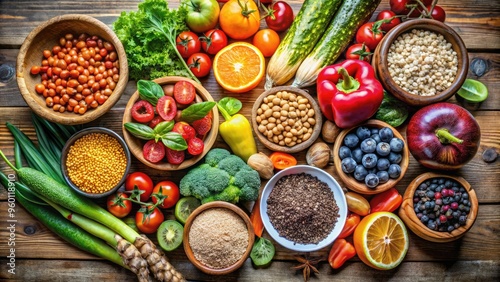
(279, 16)
(155, 121)
(267, 40)
(358, 51)
(168, 189)
(386, 15)
(199, 64)
(399, 7)
(118, 205)
(153, 151)
(369, 35)
(166, 108)
(282, 160)
(175, 157)
(188, 43)
(213, 41)
(184, 129)
(437, 13)
(203, 125)
(143, 111)
(195, 146)
(148, 220)
(184, 93)
(143, 183)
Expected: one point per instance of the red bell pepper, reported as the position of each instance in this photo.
(351, 223)
(388, 201)
(348, 92)
(340, 252)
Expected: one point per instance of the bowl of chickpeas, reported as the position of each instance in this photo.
(421, 61)
(95, 162)
(71, 69)
(286, 119)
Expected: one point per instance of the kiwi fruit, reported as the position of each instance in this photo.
(184, 207)
(169, 235)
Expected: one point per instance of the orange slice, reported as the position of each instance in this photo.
(239, 67)
(381, 240)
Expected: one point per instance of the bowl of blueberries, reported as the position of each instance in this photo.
(370, 158)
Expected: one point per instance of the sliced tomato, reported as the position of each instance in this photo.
(155, 121)
(195, 146)
(153, 151)
(184, 92)
(175, 157)
(166, 108)
(282, 160)
(203, 125)
(184, 129)
(143, 111)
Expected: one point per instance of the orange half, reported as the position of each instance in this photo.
(239, 67)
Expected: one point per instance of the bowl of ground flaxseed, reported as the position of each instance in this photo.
(303, 208)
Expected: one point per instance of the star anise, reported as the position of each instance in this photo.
(307, 265)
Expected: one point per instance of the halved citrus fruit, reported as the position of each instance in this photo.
(239, 67)
(381, 240)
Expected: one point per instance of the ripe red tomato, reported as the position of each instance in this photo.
(369, 35)
(143, 183)
(195, 146)
(267, 40)
(184, 93)
(188, 43)
(386, 15)
(153, 151)
(118, 205)
(143, 111)
(399, 7)
(203, 125)
(199, 64)
(438, 13)
(166, 108)
(358, 51)
(155, 121)
(184, 129)
(279, 16)
(148, 220)
(168, 189)
(175, 157)
(213, 41)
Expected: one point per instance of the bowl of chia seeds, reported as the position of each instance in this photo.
(303, 208)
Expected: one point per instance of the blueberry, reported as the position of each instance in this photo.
(383, 164)
(348, 165)
(371, 180)
(351, 140)
(386, 134)
(360, 173)
(363, 132)
(395, 158)
(357, 155)
(431, 225)
(383, 149)
(368, 145)
(374, 130)
(383, 176)
(376, 137)
(394, 171)
(344, 152)
(424, 219)
(369, 161)
(396, 145)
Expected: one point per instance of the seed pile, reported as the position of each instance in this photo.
(422, 62)
(218, 237)
(302, 208)
(96, 163)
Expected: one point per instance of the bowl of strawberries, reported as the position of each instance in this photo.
(170, 123)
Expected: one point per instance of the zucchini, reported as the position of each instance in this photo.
(305, 31)
(342, 29)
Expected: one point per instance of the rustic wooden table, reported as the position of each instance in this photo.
(42, 256)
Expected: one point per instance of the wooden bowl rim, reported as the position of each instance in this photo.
(163, 165)
(379, 61)
(299, 147)
(187, 228)
(79, 135)
(69, 118)
(411, 220)
(352, 183)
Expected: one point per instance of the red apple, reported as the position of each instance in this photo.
(443, 136)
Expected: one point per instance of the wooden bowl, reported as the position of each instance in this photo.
(287, 149)
(46, 36)
(135, 144)
(349, 180)
(187, 228)
(408, 215)
(380, 64)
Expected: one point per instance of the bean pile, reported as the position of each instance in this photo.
(286, 119)
(441, 204)
(78, 74)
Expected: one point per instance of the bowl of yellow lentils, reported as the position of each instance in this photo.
(95, 162)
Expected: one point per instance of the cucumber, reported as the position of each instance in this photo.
(306, 29)
(342, 29)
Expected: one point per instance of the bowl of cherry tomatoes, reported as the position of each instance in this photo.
(170, 123)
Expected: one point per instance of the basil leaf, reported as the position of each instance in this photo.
(174, 141)
(231, 105)
(197, 111)
(149, 91)
(163, 127)
(140, 130)
(392, 111)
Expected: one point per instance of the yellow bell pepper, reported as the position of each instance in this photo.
(237, 133)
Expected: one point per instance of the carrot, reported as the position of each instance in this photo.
(258, 225)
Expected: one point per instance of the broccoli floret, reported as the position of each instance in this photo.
(232, 164)
(203, 182)
(249, 181)
(214, 156)
(230, 194)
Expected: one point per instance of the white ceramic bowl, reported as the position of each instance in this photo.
(339, 199)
